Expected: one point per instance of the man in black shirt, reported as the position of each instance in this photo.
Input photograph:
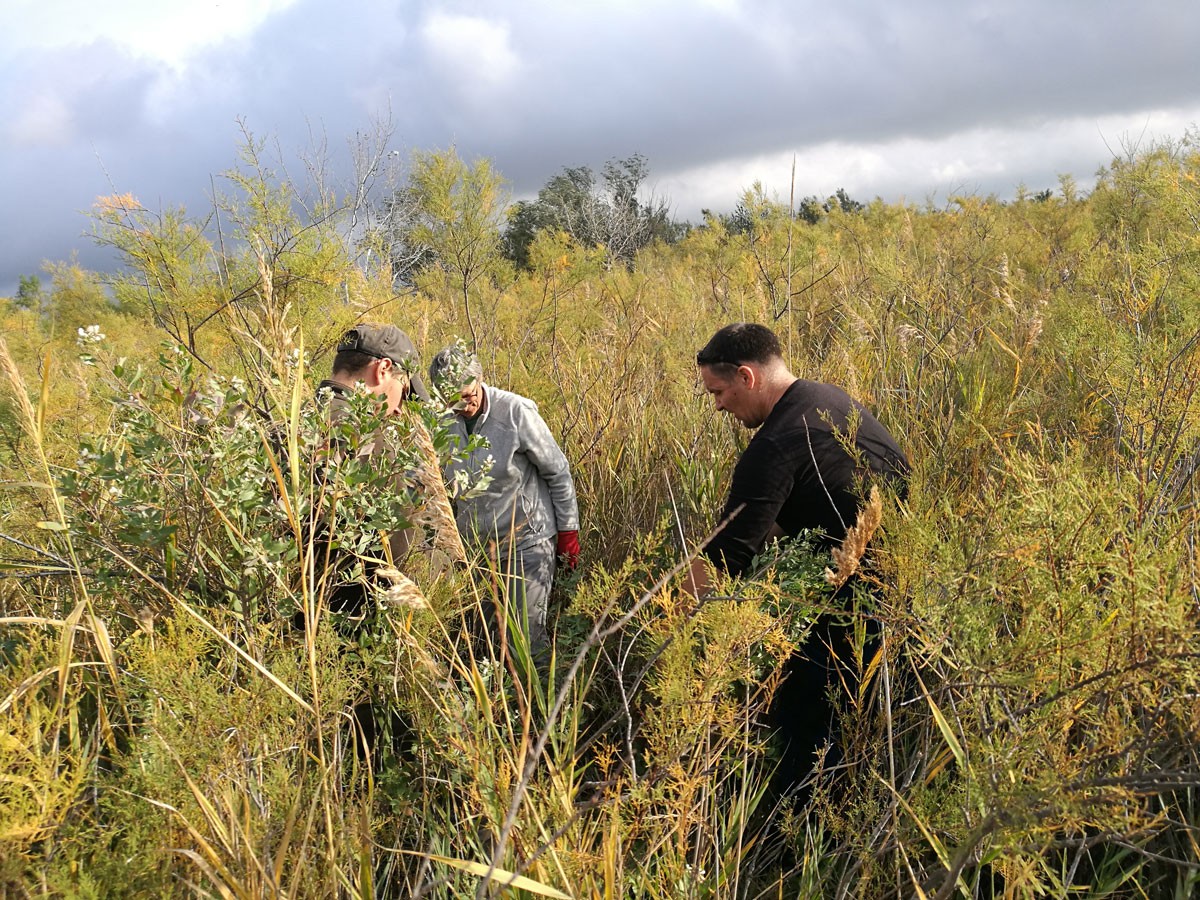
(807, 467)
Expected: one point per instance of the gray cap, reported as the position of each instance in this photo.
(387, 342)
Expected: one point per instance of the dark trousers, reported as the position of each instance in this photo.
(803, 713)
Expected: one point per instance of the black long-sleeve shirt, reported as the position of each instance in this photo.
(798, 473)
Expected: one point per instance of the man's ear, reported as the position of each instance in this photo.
(393, 370)
(747, 374)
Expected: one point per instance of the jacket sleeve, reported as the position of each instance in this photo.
(540, 448)
(761, 484)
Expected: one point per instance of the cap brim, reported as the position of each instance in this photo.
(418, 387)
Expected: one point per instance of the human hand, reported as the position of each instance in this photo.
(568, 549)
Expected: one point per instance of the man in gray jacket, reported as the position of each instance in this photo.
(527, 515)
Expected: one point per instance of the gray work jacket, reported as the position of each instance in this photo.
(532, 494)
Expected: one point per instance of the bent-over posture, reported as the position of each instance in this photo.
(815, 452)
(528, 514)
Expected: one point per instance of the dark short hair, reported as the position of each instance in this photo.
(351, 362)
(738, 344)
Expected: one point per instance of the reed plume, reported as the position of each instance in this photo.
(436, 513)
(848, 556)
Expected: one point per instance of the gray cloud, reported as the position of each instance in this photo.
(536, 86)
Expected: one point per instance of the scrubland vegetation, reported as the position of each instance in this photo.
(182, 713)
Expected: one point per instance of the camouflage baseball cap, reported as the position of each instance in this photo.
(387, 342)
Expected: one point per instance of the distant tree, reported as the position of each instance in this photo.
(811, 210)
(29, 293)
(754, 212)
(843, 201)
(525, 221)
(1066, 184)
(77, 298)
(448, 216)
(396, 234)
(595, 213)
(448, 219)
(750, 214)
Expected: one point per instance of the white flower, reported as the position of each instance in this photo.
(85, 337)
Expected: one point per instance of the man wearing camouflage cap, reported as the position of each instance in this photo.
(528, 513)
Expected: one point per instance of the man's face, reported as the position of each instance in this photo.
(470, 400)
(733, 394)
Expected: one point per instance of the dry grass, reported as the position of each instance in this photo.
(1025, 728)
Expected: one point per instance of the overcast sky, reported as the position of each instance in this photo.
(902, 99)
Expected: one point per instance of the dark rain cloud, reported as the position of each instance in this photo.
(536, 86)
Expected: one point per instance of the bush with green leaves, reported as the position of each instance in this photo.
(1024, 725)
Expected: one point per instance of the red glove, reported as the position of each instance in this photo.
(568, 549)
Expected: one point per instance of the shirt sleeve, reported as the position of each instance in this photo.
(540, 448)
(761, 483)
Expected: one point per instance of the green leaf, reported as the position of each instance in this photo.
(944, 727)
